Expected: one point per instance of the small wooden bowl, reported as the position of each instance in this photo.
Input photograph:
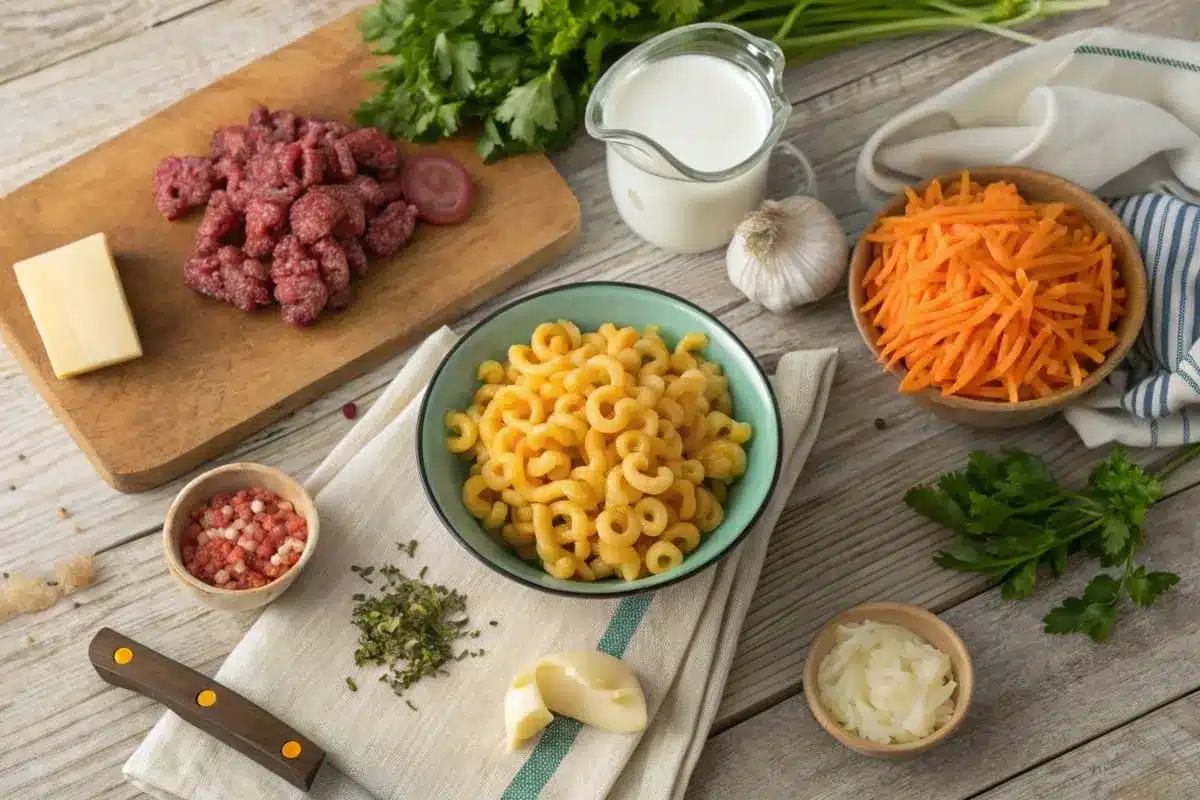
(1036, 187)
(227, 480)
(921, 622)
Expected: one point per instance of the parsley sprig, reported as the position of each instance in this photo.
(517, 73)
(1012, 518)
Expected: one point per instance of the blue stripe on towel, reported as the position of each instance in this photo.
(1189, 295)
(1167, 230)
(1163, 265)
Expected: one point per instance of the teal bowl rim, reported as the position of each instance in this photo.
(565, 592)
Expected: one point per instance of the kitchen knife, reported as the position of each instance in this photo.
(208, 705)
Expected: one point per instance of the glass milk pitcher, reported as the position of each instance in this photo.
(690, 119)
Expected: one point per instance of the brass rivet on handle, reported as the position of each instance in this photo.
(123, 655)
(291, 749)
(206, 698)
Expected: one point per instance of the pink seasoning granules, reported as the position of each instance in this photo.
(244, 540)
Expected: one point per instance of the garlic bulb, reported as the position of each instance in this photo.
(788, 253)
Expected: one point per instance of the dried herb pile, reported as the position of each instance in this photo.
(411, 628)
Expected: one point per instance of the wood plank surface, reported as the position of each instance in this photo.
(832, 549)
(1155, 757)
(1036, 696)
(35, 34)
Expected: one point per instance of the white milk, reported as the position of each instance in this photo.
(711, 115)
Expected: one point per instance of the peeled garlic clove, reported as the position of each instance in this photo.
(788, 253)
(525, 712)
(589, 686)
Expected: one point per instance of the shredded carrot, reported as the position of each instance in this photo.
(979, 293)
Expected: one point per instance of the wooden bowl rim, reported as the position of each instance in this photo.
(175, 562)
(1091, 207)
(965, 677)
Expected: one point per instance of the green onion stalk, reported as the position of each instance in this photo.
(808, 28)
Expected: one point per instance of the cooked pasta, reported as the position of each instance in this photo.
(600, 454)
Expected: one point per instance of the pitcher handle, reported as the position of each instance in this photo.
(807, 183)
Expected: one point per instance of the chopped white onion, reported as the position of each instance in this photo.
(884, 683)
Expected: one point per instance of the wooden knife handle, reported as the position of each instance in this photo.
(208, 705)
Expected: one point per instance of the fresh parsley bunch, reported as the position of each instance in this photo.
(517, 73)
(518, 70)
(1012, 517)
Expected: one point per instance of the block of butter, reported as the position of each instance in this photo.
(79, 307)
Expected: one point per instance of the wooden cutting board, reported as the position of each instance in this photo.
(210, 374)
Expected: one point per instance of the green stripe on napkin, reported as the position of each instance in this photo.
(1135, 55)
(557, 738)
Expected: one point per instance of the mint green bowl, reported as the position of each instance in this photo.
(589, 305)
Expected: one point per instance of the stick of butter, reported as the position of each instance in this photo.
(79, 307)
(586, 685)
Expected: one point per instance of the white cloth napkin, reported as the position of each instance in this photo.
(1119, 114)
(1116, 112)
(293, 661)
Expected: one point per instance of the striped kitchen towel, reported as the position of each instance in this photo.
(450, 744)
(1153, 398)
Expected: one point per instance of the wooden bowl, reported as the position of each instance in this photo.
(921, 622)
(1034, 186)
(227, 480)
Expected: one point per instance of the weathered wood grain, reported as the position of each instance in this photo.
(35, 34)
(65, 732)
(56, 113)
(1156, 757)
(1036, 696)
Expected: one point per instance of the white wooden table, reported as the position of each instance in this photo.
(1053, 717)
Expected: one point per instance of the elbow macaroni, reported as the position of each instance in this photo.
(600, 454)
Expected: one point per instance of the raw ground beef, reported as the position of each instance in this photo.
(310, 196)
(231, 276)
(391, 228)
(182, 183)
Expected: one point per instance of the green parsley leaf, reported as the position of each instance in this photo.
(956, 487)
(1079, 616)
(939, 506)
(457, 61)
(987, 514)
(529, 108)
(1115, 535)
(677, 12)
(1146, 587)
(1102, 589)
(1125, 487)
(1019, 583)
